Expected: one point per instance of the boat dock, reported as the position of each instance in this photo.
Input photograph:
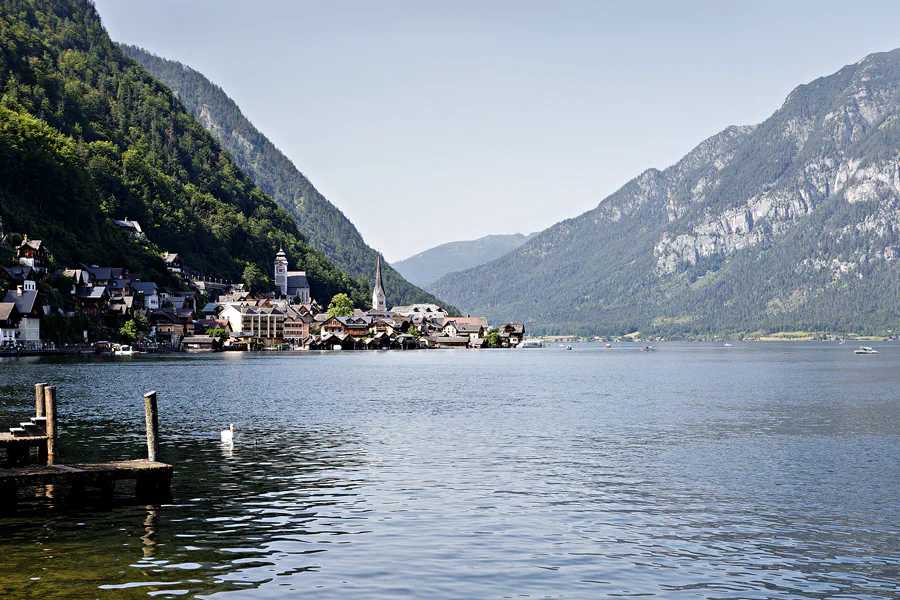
(42, 468)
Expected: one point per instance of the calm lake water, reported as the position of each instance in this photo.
(695, 471)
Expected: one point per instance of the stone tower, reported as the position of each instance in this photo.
(281, 273)
(378, 292)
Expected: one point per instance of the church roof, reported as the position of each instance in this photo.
(296, 280)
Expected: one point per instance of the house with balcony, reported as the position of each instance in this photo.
(263, 325)
(132, 228)
(511, 334)
(9, 323)
(148, 294)
(30, 313)
(34, 254)
(296, 325)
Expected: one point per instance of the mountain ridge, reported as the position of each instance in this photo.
(423, 268)
(789, 224)
(322, 223)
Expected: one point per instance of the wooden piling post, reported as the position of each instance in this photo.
(39, 399)
(151, 415)
(50, 407)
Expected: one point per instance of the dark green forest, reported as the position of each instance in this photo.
(87, 135)
(324, 225)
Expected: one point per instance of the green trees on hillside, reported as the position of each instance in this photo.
(87, 135)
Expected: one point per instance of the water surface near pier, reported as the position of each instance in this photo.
(695, 471)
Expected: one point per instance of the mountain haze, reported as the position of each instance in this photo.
(790, 224)
(318, 220)
(426, 267)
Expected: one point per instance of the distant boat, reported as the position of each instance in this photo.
(727, 345)
(646, 348)
(865, 350)
(841, 343)
(609, 345)
(125, 351)
(532, 344)
(568, 347)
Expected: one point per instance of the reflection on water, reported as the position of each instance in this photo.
(695, 471)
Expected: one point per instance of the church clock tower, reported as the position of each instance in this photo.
(281, 269)
(378, 292)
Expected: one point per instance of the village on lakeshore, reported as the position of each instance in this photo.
(109, 309)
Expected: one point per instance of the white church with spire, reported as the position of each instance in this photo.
(378, 301)
(291, 285)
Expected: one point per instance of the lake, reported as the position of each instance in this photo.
(694, 471)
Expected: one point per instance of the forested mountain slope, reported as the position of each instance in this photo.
(427, 266)
(791, 224)
(87, 135)
(323, 225)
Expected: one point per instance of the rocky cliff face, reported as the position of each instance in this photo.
(796, 207)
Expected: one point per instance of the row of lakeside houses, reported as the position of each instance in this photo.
(206, 314)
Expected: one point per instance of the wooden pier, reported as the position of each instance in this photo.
(152, 478)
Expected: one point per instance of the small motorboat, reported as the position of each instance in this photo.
(727, 345)
(125, 351)
(609, 345)
(646, 348)
(568, 347)
(865, 350)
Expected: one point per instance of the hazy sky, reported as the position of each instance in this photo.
(428, 122)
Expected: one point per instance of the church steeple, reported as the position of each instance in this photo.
(281, 270)
(378, 292)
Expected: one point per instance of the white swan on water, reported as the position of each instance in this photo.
(228, 434)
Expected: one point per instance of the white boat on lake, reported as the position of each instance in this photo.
(865, 350)
(532, 344)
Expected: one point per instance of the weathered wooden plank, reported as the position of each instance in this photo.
(52, 432)
(67, 468)
(151, 414)
(8, 439)
(39, 399)
(17, 446)
(95, 473)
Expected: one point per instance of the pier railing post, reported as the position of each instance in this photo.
(151, 414)
(39, 400)
(50, 407)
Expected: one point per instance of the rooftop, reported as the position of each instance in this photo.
(25, 302)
